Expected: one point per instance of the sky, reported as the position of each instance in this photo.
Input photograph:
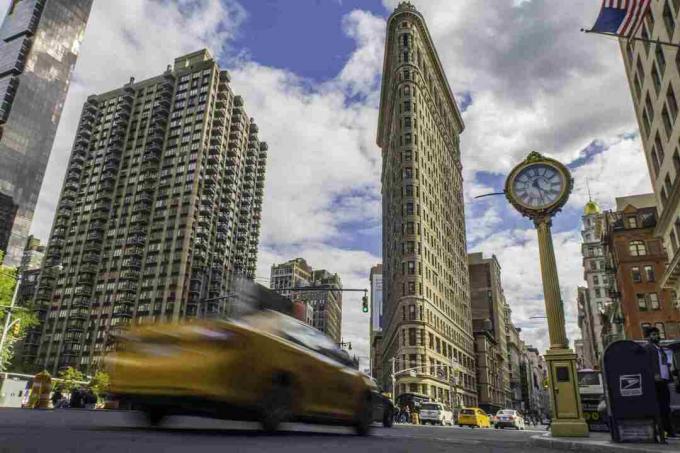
(523, 74)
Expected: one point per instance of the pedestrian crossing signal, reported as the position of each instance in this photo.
(364, 304)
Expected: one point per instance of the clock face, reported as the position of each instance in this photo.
(538, 186)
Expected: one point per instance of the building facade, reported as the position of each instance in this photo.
(514, 359)
(590, 337)
(159, 209)
(489, 319)
(594, 297)
(639, 258)
(33, 254)
(39, 45)
(376, 328)
(653, 73)
(428, 323)
(325, 302)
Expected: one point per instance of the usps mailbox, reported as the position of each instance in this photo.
(631, 398)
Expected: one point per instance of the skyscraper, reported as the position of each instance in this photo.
(160, 207)
(653, 72)
(594, 299)
(39, 44)
(426, 286)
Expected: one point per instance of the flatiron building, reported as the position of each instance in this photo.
(426, 290)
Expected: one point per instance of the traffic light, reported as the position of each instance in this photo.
(16, 330)
(364, 304)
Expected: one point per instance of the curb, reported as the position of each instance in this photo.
(546, 441)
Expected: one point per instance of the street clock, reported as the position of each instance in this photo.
(538, 187)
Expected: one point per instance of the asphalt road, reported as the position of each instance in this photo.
(74, 430)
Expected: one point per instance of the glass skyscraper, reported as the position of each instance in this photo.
(39, 45)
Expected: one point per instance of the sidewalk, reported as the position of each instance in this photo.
(601, 443)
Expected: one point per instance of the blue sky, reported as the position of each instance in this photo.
(309, 70)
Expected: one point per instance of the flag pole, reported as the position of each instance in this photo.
(633, 38)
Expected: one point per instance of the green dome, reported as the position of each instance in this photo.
(591, 208)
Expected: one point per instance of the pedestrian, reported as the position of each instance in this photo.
(660, 366)
(90, 399)
(77, 396)
(56, 397)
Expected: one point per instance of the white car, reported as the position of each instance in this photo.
(436, 414)
(508, 418)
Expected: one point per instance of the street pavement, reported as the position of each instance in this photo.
(75, 430)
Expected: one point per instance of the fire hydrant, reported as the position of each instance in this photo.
(40, 392)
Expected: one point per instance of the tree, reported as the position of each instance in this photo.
(100, 383)
(21, 313)
(70, 377)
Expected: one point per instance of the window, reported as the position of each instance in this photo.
(674, 242)
(645, 124)
(659, 148)
(644, 326)
(411, 337)
(668, 185)
(637, 248)
(653, 301)
(632, 222)
(656, 79)
(676, 161)
(662, 330)
(668, 20)
(649, 273)
(642, 302)
(596, 280)
(635, 272)
(660, 58)
(672, 102)
(666, 121)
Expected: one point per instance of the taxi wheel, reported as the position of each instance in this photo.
(364, 416)
(388, 419)
(276, 407)
(154, 415)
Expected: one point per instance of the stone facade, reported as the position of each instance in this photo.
(428, 323)
(159, 209)
(489, 318)
(654, 77)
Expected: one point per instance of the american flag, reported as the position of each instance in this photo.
(621, 17)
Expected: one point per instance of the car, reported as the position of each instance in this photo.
(266, 367)
(435, 414)
(473, 417)
(383, 408)
(509, 418)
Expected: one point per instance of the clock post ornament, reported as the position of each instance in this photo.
(538, 188)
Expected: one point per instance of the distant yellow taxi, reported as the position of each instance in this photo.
(473, 417)
(267, 367)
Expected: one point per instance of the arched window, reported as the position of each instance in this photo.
(637, 248)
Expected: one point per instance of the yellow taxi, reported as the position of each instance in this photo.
(267, 367)
(473, 417)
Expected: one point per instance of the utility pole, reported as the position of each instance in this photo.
(394, 380)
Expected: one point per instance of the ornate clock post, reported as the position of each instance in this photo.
(538, 188)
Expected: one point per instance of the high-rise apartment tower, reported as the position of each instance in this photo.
(160, 207)
(426, 289)
(653, 72)
(39, 44)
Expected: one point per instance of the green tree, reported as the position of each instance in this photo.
(99, 383)
(70, 377)
(22, 313)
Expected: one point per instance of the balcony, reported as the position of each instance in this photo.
(83, 290)
(134, 264)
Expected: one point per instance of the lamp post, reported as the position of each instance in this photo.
(538, 188)
(8, 317)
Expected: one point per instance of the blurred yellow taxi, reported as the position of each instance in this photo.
(267, 367)
(473, 417)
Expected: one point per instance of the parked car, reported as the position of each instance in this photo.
(509, 418)
(383, 409)
(474, 417)
(435, 414)
(266, 366)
